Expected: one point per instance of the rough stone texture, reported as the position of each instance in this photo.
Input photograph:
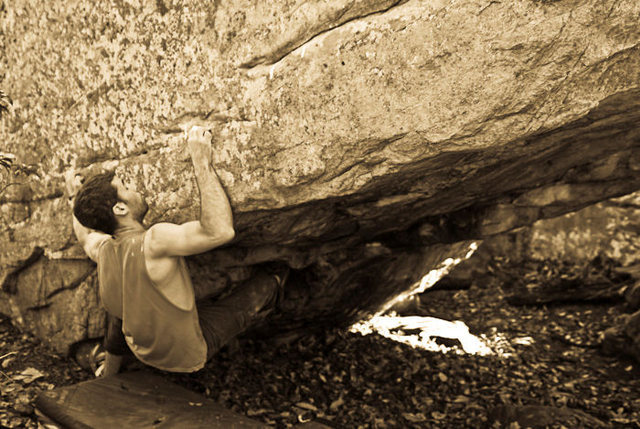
(610, 229)
(353, 137)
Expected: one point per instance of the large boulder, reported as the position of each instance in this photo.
(358, 141)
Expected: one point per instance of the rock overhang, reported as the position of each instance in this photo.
(402, 123)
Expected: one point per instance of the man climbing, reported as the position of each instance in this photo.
(144, 283)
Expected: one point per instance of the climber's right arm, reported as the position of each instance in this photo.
(215, 226)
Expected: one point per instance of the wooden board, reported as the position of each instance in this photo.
(136, 400)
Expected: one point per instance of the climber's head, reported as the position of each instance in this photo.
(105, 203)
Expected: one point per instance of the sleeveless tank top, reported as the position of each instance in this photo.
(158, 332)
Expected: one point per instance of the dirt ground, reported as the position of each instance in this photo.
(346, 380)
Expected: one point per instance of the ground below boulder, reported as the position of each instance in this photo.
(344, 379)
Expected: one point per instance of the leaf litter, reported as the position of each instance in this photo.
(347, 380)
(544, 363)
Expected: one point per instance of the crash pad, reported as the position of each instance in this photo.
(136, 400)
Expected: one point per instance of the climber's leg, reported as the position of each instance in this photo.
(222, 320)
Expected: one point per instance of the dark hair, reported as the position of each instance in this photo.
(93, 206)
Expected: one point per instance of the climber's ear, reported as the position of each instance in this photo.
(121, 209)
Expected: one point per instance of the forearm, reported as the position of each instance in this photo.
(215, 211)
(115, 346)
(112, 364)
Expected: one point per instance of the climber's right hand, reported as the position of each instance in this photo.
(199, 143)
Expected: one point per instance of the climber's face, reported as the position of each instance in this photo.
(134, 203)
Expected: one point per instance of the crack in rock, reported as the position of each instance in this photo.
(8, 284)
(290, 46)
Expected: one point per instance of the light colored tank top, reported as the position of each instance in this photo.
(158, 332)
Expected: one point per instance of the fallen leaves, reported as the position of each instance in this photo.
(335, 405)
(28, 367)
(414, 418)
(28, 376)
(438, 415)
(347, 380)
(307, 406)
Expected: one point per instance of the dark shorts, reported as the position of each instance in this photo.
(223, 319)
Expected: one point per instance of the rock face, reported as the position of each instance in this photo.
(608, 229)
(358, 141)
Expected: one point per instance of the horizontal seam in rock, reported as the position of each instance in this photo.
(381, 145)
(49, 197)
(175, 127)
(272, 59)
(39, 307)
(614, 204)
(578, 123)
(132, 155)
(491, 3)
(613, 56)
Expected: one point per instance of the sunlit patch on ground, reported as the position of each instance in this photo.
(419, 331)
(424, 332)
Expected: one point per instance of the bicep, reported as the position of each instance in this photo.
(89, 239)
(80, 231)
(168, 239)
(92, 244)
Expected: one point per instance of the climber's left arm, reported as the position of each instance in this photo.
(89, 239)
